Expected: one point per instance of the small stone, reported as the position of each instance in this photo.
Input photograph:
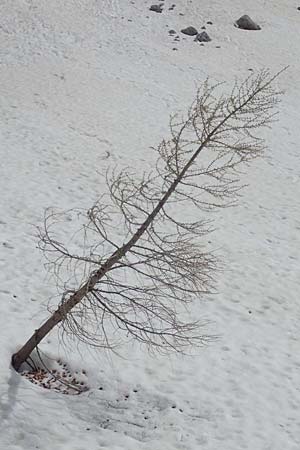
(7, 245)
(156, 8)
(190, 31)
(203, 28)
(298, 8)
(174, 48)
(209, 22)
(246, 23)
(202, 37)
(172, 32)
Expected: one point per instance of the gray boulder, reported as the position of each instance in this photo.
(190, 31)
(156, 8)
(246, 23)
(202, 37)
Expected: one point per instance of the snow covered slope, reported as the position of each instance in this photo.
(90, 83)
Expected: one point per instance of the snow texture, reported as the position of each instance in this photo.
(91, 83)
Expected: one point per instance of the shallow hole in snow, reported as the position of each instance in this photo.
(54, 375)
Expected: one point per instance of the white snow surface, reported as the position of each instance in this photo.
(91, 83)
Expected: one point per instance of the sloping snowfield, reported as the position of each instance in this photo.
(91, 83)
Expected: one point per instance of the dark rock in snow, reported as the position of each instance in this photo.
(190, 31)
(202, 37)
(172, 32)
(156, 8)
(246, 23)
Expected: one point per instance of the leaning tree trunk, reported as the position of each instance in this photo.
(21, 356)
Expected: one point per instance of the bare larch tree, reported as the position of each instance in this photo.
(144, 257)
